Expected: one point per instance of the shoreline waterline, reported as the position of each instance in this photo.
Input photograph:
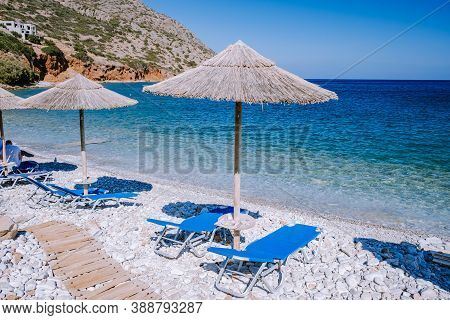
(310, 213)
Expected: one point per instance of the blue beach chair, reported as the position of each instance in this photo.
(80, 192)
(189, 234)
(49, 194)
(14, 178)
(270, 253)
(95, 200)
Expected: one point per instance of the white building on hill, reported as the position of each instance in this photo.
(21, 28)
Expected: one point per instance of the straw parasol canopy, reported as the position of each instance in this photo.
(78, 93)
(241, 74)
(8, 101)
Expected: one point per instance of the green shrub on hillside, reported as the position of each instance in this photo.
(34, 39)
(15, 74)
(52, 50)
(81, 53)
(133, 63)
(152, 56)
(8, 43)
(83, 56)
(16, 35)
(190, 64)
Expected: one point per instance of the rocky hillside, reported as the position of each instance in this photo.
(106, 39)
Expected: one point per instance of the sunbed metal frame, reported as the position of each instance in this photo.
(49, 195)
(94, 203)
(16, 177)
(67, 198)
(263, 271)
(192, 241)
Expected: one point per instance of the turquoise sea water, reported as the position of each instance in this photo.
(380, 154)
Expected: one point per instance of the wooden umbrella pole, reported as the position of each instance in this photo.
(237, 170)
(2, 133)
(83, 153)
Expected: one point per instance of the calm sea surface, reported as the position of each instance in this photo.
(381, 153)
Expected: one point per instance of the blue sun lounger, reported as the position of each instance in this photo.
(48, 193)
(189, 234)
(16, 177)
(270, 253)
(95, 200)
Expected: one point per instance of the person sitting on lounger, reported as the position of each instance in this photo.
(14, 155)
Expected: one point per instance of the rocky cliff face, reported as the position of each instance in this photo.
(107, 39)
(54, 69)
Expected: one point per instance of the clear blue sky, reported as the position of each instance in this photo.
(322, 38)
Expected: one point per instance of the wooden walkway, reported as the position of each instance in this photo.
(81, 263)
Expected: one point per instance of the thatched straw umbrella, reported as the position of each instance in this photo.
(240, 74)
(8, 101)
(78, 93)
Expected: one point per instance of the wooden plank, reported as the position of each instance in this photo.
(107, 286)
(78, 271)
(75, 257)
(60, 243)
(40, 226)
(51, 232)
(61, 235)
(60, 260)
(126, 294)
(84, 262)
(88, 248)
(85, 266)
(56, 264)
(70, 240)
(142, 285)
(146, 293)
(54, 228)
(68, 247)
(96, 277)
(61, 275)
(45, 224)
(84, 282)
(121, 291)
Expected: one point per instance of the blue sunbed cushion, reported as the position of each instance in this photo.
(123, 195)
(37, 183)
(78, 192)
(163, 223)
(278, 245)
(203, 222)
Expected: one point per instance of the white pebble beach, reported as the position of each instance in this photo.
(350, 259)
